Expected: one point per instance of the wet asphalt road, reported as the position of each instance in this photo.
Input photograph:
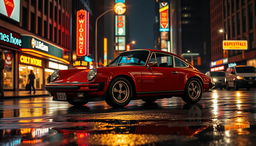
(220, 118)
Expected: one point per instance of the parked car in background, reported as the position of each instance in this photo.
(241, 76)
(218, 79)
(139, 74)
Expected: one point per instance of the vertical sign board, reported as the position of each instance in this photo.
(105, 51)
(82, 33)
(164, 17)
(120, 25)
(11, 9)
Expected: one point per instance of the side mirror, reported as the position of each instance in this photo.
(151, 64)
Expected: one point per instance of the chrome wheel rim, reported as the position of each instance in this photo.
(120, 91)
(194, 90)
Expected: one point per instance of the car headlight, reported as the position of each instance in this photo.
(54, 76)
(92, 74)
(214, 80)
(240, 78)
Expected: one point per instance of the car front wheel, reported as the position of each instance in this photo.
(193, 91)
(119, 92)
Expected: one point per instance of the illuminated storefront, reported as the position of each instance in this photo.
(43, 58)
(10, 42)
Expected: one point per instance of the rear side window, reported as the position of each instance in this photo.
(179, 63)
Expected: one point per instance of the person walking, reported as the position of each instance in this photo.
(1, 75)
(31, 78)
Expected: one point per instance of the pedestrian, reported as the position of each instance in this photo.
(1, 75)
(31, 78)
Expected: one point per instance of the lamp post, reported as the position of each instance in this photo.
(119, 9)
(225, 52)
(96, 34)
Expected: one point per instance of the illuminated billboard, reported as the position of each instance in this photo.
(120, 43)
(82, 33)
(11, 9)
(120, 25)
(235, 45)
(164, 16)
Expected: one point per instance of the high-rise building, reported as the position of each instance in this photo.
(34, 35)
(233, 20)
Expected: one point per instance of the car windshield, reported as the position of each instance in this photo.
(136, 58)
(217, 74)
(245, 70)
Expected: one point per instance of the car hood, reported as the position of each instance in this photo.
(247, 74)
(73, 76)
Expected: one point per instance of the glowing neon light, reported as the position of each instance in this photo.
(44, 54)
(82, 33)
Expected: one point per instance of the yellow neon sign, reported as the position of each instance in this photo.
(235, 45)
(30, 60)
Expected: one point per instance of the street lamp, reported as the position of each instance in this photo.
(222, 31)
(119, 8)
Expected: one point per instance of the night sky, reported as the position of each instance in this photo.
(140, 15)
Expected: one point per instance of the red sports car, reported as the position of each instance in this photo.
(145, 74)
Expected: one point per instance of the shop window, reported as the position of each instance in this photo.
(24, 71)
(47, 73)
(8, 69)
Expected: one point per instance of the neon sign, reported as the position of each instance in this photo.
(10, 38)
(82, 33)
(39, 45)
(164, 16)
(30, 60)
(120, 25)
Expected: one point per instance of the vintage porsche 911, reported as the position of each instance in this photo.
(145, 74)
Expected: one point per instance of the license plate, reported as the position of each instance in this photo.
(61, 96)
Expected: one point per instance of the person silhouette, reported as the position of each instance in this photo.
(31, 78)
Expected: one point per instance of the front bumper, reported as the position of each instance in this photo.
(66, 91)
(246, 83)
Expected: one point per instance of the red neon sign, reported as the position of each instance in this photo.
(164, 16)
(82, 33)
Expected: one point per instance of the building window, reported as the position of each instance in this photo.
(238, 23)
(244, 20)
(40, 4)
(45, 29)
(46, 7)
(237, 4)
(32, 23)
(250, 17)
(55, 15)
(251, 42)
(55, 34)
(51, 10)
(24, 18)
(51, 38)
(33, 3)
(39, 30)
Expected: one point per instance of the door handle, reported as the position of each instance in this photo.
(174, 72)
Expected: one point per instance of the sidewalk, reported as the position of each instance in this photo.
(24, 94)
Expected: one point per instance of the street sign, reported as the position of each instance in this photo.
(235, 45)
(164, 16)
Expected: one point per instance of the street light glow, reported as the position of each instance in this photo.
(221, 30)
(120, 8)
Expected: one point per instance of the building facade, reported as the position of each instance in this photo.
(35, 35)
(236, 19)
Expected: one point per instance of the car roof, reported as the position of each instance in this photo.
(155, 50)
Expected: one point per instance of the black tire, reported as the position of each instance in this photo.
(236, 87)
(227, 86)
(149, 100)
(119, 93)
(77, 103)
(193, 91)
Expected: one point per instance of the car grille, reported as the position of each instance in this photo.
(250, 78)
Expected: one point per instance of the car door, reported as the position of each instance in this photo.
(166, 77)
(182, 69)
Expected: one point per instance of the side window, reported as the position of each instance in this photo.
(164, 60)
(153, 58)
(179, 63)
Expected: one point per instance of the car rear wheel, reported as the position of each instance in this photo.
(193, 91)
(77, 103)
(119, 93)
